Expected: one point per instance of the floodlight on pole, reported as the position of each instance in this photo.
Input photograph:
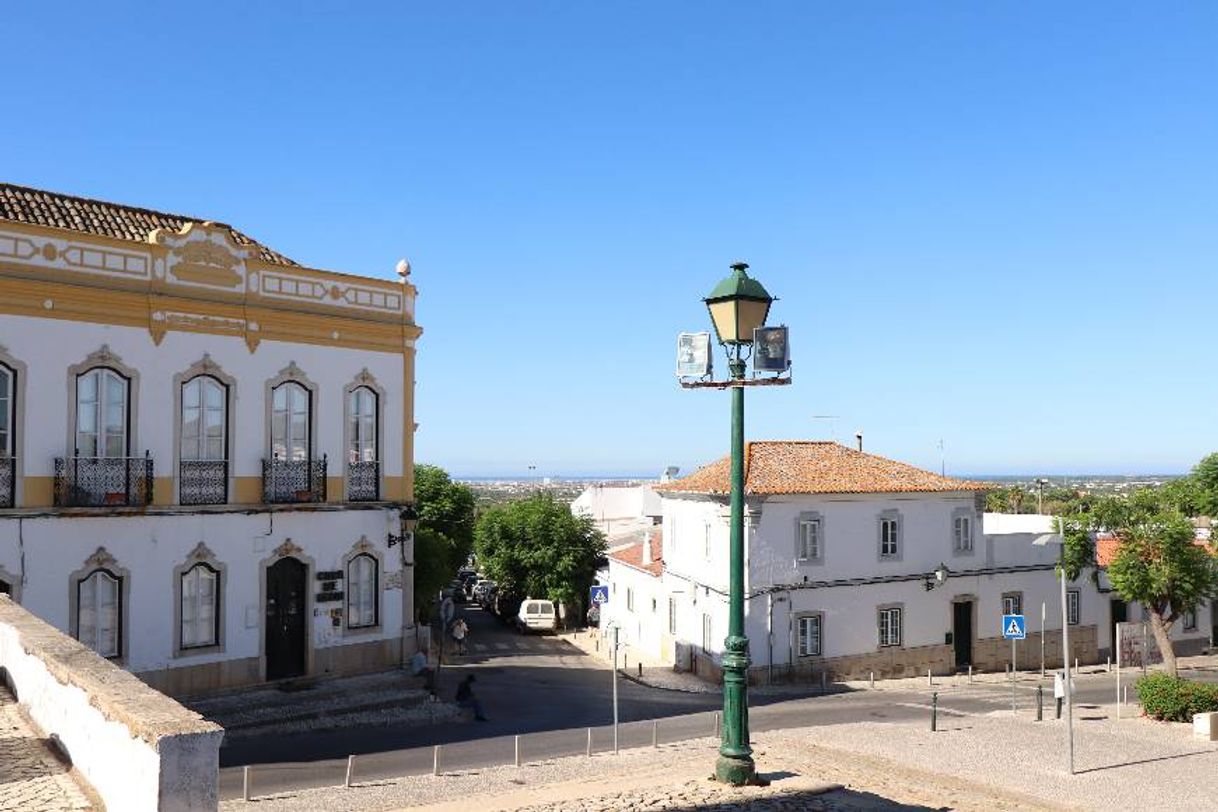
(1041, 541)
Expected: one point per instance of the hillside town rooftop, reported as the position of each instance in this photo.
(774, 467)
(21, 204)
(632, 556)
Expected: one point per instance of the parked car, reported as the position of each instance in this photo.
(537, 616)
(480, 588)
(507, 605)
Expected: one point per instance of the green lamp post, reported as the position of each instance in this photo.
(738, 305)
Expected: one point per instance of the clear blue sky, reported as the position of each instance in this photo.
(991, 223)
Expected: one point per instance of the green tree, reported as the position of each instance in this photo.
(1205, 479)
(1158, 563)
(536, 547)
(445, 534)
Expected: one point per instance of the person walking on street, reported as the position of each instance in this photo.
(459, 631)
(420, 668)
(466, 698)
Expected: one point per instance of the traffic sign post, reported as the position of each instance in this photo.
(599, 595)
(1013, 628)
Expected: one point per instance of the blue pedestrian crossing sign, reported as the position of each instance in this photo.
(1013, 627)
(600, 594)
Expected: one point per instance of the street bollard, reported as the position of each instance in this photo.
(598, 646)
(435, 760)
(970, 675)
(245, 784)
(655, 733)
(640, 670)
(716, 724)
(517, 751)
(1108, 664)
(934, 711)
(1040, 703)
(824, 681)
(930, 680)
(871, 680)
(589, 750)
(350, 769)
(1076, 665)
(625, 661)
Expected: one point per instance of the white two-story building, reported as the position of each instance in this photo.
(205, 447)
(855, 564)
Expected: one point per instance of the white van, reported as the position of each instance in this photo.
(537, 616)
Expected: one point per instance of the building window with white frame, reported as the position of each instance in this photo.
(101, 413)
(629, 599)
(1072, 606)
(706, 541)
(809, 540)
(1190, 620)
(200, 617)
(809, 627)
(363, 465)
(1012, 603)
(707, 637)
(890, 536)
(291, 421)
(672, 615)
(8, 445)
(8, 409)
(962, 534)
(362, 590)
(203, 447)
(99, 612)
(890, 626)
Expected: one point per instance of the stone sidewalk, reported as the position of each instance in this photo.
(32, 779)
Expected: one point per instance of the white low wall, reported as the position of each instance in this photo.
(139, 749)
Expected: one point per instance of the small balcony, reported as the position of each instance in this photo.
(103, 481)
(293, 481)
(8, 481)
(203, 482)
(364, 481)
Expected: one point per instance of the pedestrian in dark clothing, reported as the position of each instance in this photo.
(466, 698)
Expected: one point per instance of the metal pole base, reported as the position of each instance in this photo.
(736, 770)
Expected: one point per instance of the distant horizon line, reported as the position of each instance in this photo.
(651, 476)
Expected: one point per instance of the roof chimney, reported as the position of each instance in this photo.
(646, 549)
(858, 437)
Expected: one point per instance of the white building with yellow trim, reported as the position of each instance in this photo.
(205, 447)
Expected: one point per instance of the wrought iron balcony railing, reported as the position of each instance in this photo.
(103, 481)
(364, 481)
(293, 480)
(203, 482)
(8, 481)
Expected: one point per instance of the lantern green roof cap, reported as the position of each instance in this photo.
(739, 285)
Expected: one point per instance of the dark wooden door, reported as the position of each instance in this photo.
(962, 632)
(285, 619)
(1120, 610)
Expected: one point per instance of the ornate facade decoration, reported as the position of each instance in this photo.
(101, 558)
(287, 549)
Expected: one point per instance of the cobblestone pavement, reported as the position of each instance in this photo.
(31, 778)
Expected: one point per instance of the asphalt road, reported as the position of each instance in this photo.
(550, 693)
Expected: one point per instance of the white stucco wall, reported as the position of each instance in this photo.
(139, 750)
(46, 550)
(48, 347)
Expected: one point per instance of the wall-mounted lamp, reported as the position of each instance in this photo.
(936, 578)
(409, 518)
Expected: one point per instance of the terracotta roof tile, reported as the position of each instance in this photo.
(812, 466)
(1106, 546)
(21, 204)
(633, 555)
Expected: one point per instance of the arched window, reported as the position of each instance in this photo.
(101, 413)
(99, 612)
(361, 414)
(200, 616)
(362, 590)
(204, 418)
(290, 421)
(8, 411)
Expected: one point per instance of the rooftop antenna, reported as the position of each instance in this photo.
(832, 418)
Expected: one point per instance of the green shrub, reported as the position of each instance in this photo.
(1171, 699)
